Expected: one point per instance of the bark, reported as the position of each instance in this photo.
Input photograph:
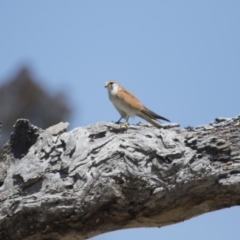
(74, 185)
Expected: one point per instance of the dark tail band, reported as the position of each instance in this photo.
(152, 114)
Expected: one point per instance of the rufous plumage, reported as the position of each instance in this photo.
(129, 106)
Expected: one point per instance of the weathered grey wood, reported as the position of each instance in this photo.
(73, 185)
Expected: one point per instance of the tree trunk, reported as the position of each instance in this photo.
(74, 185)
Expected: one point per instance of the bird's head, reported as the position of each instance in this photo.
(112, 86)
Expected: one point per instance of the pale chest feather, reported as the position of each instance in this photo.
(120, 104)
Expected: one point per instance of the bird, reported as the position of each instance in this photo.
(129, 106)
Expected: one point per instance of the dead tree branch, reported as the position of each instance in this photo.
(73, 185)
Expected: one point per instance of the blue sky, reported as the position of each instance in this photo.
(180, 58)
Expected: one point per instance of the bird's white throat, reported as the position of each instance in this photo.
(114, 89)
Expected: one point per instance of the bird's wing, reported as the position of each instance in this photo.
(129, 99)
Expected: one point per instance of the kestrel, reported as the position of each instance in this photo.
(129, 106)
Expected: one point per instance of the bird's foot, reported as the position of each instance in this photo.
(125, 124)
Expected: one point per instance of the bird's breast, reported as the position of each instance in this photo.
(122, 105)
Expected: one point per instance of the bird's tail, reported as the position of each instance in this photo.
(150, 120)
(153, 115)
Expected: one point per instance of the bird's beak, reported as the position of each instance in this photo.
(106, 84)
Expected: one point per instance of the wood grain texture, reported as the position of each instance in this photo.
(73, 185)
